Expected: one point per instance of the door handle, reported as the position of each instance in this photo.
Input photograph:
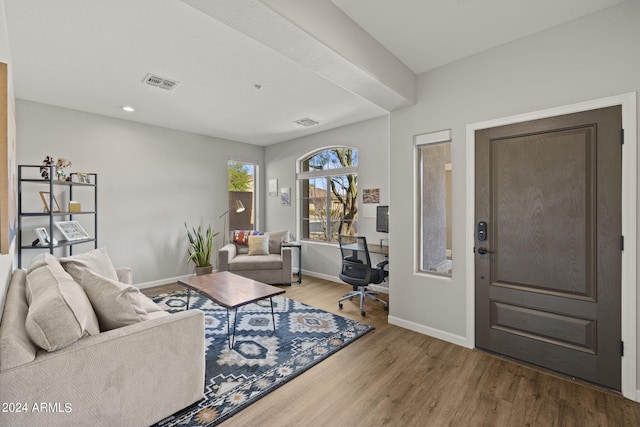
(482, 251)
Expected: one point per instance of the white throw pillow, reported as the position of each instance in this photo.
(59, 311)
(115, 303)
(259, 245)
(97, 261)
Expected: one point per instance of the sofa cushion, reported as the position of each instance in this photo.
(259, 245)
(59, 311)
(97, 261)
(241, 239)
(16, 347)
(115, 303)
(42, 260)
(245, 262)
(275, 240)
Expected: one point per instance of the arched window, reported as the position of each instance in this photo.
(329, 194)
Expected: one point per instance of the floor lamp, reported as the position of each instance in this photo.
(239, 207)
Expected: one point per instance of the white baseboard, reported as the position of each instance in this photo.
(161, 282)
(436, 333)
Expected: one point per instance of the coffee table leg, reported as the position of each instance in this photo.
(231, 338)
(273, 317)
(188, 298)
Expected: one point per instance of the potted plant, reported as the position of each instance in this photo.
(201, 248)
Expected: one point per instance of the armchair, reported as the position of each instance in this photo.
(274, 267)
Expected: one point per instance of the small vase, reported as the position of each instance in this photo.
(200, 271)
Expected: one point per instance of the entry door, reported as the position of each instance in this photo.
(548, 243)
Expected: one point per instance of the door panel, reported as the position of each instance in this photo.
(548, 287)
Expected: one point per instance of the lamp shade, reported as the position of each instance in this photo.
(239, 206)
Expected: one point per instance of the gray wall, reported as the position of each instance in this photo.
(371, 138)
(589, 58)
(151, 180)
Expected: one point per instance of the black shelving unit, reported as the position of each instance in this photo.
(32, 172)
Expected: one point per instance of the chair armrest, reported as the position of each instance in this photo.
(125, 275)
(286, 253)
(225, 255)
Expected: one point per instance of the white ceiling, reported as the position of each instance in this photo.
(92, 55)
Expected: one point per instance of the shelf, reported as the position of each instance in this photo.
(33, 182)
(57, 213)
(61, 244)
(56, 182)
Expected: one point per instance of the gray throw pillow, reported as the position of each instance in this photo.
(97, 261)
(59, 311)
(115, 303)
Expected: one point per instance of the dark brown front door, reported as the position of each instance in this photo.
(548, 267)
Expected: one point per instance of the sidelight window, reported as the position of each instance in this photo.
(434, 165)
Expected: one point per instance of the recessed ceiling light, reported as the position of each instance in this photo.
(128, 108)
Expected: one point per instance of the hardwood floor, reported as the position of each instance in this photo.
(396, 377)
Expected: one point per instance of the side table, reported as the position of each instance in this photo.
(297, 245)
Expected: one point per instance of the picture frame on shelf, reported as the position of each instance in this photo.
(72, 230)
(83, 178)
(44, 195)
(43, 236)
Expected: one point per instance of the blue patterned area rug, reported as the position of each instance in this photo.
(261, 359)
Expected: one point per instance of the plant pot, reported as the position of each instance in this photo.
(204, 270)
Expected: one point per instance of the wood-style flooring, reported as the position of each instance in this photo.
(396, 377)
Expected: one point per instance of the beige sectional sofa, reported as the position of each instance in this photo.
(259, 257)
(80, 348)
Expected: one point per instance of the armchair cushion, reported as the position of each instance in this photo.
(275, 240)
(259, 245)
(241, 239)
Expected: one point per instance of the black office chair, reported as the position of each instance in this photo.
(358, 272)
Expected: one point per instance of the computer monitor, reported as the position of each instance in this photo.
(382, 219)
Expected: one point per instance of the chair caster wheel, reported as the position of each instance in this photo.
(362, 313)
(386, 308)
(340, 305)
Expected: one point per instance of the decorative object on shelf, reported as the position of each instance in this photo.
(285, 196)
(72, 230)
(239, 207)
(43, 236)
(46, 196)
(83, 178)
(75, 206)
(201, 248)
(61, 175)
(44, 169)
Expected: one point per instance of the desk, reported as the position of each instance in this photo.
(373, 249)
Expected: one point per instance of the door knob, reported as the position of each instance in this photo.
(482, 250)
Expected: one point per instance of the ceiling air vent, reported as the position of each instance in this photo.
(161, 82)
(306, 122)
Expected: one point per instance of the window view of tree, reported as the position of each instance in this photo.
(329, 194)
(240, 177)
(241, 183)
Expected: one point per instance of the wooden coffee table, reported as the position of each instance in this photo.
(231, 291)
